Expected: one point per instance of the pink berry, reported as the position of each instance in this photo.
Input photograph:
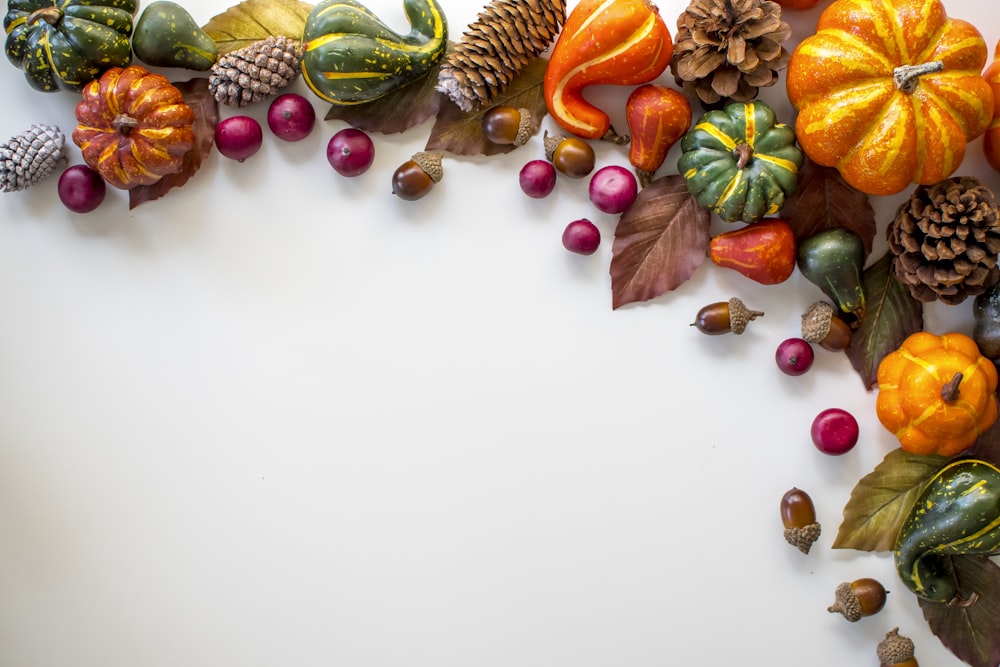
(537, 178)
(350, 152)
(834, 431)
(582, 237)
(81, 189)
(291, 117)
(238, 137)
(794, 356)
(613, 189)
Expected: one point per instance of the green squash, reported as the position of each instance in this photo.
(957, 513)
(66, 44)
(350, 56)
(739, 162)
(166, 35)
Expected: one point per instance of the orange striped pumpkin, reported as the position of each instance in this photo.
(991, 140)
(889, 92)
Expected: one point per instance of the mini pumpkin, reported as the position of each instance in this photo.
(889, 92)
(134, 127)
(991, 139)
(936, 393)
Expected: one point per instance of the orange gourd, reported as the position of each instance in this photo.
(936, 393)
(133, 127)
(657, 118)
(889, 92)
(621, 42)
(991, 140)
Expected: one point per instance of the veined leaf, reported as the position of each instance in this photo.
(987, 445)
(253, 20)
(881, 501)
(970, 632)
(403, 108)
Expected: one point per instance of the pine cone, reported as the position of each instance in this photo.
(728, 49)
(30, 156)
(945, 240)
(250, 74)
(506, 36)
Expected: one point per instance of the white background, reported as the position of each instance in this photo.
(280, 417)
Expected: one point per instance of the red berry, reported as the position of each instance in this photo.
(537, 178)
(834, 431)
(291, 117)
(350, 152)
(794, 356)
(613, 189)
(238, 137)
(81, 189)
(582, 237)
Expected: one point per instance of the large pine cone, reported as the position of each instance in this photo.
(30, 156)
(253, 73)
(729, 49)
(945, 240)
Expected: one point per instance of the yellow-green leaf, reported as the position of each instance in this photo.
(882, 499)
(253, 20)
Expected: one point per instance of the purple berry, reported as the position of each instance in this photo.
(291, 117)
(834, 431)
(238, 137)
(613, 189)
(538, 178)
(81, 189)
(794, 356)
(350, 152)
(582, 237)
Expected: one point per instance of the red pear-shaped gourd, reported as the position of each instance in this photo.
(657, 117)
(764, 251)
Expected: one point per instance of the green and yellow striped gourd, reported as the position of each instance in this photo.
(739, 162)
(957, 513)
(350, 56)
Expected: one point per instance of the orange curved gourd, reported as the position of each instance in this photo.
(937, 394)
(889, 92)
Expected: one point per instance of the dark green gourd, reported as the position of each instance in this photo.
(166, 35)
(957, 513)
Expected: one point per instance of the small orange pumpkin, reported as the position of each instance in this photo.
(133, 127)
(889, 92)
(991, 140)
(936, 393)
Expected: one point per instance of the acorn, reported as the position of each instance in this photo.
(414, 178)
(724, 317)
(798, 515)
(570, 155)
(508, 125)
(821, 325)
(858, 598)
(895, 650)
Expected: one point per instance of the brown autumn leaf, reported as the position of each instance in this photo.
(970, 632)
(891, 314)
(881, 501)
(253, 20)
(206, 117)
(987, 445)
(461, 133)
(403, 108)
(824, 200)
(659, 242)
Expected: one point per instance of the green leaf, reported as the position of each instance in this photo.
(253, 20)
(970, 632)
(206, 117)
(461, 133)
(891, 315)
(407, 106)
(881, 501)
(659, 242)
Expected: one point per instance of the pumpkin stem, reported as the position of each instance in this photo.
(906, 76)
(743, 153)
(963, 602)
(949, 392)
(50, 15)
(124, 123)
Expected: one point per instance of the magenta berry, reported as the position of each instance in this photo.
(834, 431)
(238, 137)
(537, 178)
(613, 189)
(582, 237)
(81, 189)
(350, 152)
(291, 117)
(794, 356)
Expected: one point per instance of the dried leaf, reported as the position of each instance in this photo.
(460, 132)
(206, 117)
(970, 632)
(403, 108)
(824, 200)
(253, 20)
(891, 314)
(987, 445)
(659, 242)
(882, 499)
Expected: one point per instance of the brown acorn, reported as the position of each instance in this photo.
(821, 325)
(414, 178)
(798, 515)
(895, 650)
(724, 317)
(508, 125)
(859, 598)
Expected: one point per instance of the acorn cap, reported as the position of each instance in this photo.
(525, 127)
(816, 322)
(894, 649)
(847, 603)
(740, 315)
(551, 142)
(430, 162)
(803, 537)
